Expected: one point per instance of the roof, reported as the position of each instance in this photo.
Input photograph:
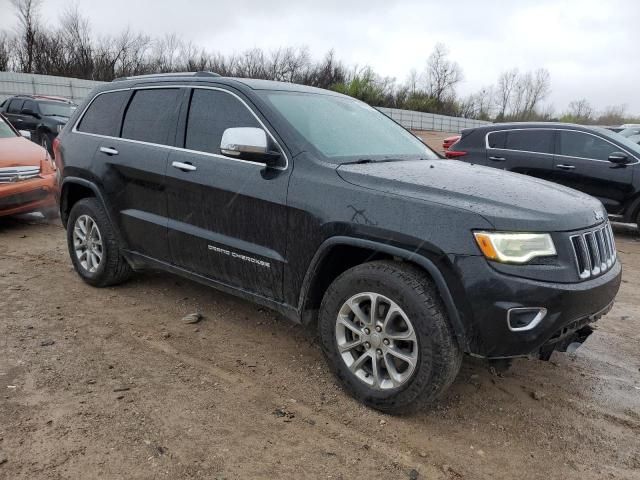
(43, 97)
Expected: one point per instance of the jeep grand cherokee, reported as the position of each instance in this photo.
(322, 208)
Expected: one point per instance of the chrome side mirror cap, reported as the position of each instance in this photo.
(25, 133)
(248, 143)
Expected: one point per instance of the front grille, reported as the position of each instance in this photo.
(595, 251)
(17, 174)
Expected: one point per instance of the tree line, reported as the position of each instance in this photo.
(71, 49)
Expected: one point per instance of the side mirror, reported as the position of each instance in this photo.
(25, 133)
(248, 143)
(31, 113)
(619, 158)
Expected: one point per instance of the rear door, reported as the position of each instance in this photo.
(525, 151)
(135, 130)
(582, 163)
(227, 217)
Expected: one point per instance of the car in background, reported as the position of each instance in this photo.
(43, 116)
(592, 160)
(447, 142)
(630, 131)
(28, 180)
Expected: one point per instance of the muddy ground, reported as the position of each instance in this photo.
(111, 384)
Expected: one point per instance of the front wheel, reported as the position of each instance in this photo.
(386, 336)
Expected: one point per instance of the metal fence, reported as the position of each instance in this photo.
(430, 121)
(76, 90)
(31, 84)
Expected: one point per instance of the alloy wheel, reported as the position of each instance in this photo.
(87, 243)
(376, 341)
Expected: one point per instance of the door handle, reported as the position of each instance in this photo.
(187, 167)
(497, 159)
(109, 150)
(566, 167)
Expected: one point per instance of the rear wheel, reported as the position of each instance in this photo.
(93, 246)
(386, 337)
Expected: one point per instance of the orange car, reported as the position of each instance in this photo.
(27, 175)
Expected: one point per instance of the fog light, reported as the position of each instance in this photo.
(525, 319)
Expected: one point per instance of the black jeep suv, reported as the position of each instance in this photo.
(320, 207)
(590, 159)
(43, 117)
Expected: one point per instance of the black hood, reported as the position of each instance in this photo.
(509, 201)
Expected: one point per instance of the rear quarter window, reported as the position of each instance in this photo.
(497, 139)
(15, 106)
(104, 114)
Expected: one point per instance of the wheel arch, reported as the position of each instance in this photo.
(74, 189)
(323, 270)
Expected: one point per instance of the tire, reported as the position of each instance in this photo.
(46, 143)
(112, 268)
(433, 348)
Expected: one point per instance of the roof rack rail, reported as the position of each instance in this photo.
(171, 74)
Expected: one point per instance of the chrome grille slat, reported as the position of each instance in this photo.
(17, 174)
(594, 250)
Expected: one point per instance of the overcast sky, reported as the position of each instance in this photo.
(591, 48)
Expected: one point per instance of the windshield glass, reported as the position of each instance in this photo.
(57, 109)
(343, 128)
(627, 143)
(629, 132)
(5, 129)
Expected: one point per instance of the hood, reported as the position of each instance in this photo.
(509, 201)
(19, 152)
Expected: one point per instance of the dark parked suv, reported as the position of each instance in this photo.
(43, 117)
(320, 207)
(593, 160)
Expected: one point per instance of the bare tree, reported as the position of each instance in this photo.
(580, 111)
(5, 56)
(28, 13)
(442, 75)
(506, 85)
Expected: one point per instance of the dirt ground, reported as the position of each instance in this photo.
(109, 383)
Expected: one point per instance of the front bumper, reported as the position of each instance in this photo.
(28, 196)
(491, 294)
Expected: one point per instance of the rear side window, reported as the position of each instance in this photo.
(104, 114)
(497, 139)
(152, 116)
(30, 105)
(210, 114)
(539, 141)
(15, 106)
(578, 144)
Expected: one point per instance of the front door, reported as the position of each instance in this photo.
(227, 217)
(526, 151)
(582, 163)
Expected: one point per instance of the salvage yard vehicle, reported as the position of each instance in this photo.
(27, 175)
(447, 142)
(590, 159)
(42, 116)
(320, 207)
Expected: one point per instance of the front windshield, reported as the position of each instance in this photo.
(5, 130)
(340, 127)
(628, 143)
(629, 132)
(56, 109)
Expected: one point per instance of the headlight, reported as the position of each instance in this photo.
(59, 128)
(515, 247)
